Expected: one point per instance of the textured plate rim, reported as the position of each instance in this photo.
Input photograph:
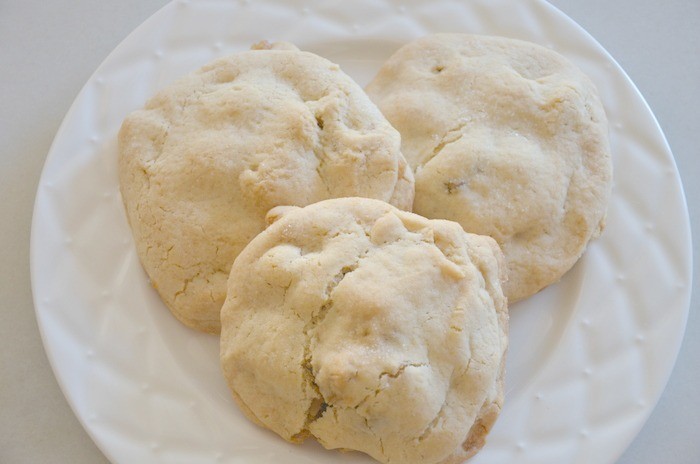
(34, 259)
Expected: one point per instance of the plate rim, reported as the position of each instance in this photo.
(146, 24)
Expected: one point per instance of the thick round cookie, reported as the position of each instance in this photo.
(208, 156)
(369, 328)
(507, 138)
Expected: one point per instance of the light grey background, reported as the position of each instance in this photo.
(48, 49)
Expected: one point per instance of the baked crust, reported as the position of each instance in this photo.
(369, 328)
(507, 138)
(203, 162)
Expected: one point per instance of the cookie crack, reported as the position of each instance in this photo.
(441, 412)
(318, 404)
(319, 153)
(565, 201)
(319, 173)
(189, 99)
(185, 285)
(433, 423)
(332, 115)
(400, 370)
(392, 375)
(167, 252)
(317, 147)
(451, 136)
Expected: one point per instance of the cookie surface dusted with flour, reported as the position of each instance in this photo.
(369, 328)
(203, 162)
(507, 138)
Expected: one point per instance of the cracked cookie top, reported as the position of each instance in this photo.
(507, 138)
(203, 162)
(369, 328)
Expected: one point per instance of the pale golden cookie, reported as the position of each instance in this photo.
(369, 328)
(202, 164)
(507, 138)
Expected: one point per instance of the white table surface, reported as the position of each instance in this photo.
(48, 49)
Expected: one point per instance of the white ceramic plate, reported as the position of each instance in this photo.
(588, 358)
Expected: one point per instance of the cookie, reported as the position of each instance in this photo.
(208, 156)
(507, 138)
(370, 329)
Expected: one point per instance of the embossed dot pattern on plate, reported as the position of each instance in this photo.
(579, 349)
